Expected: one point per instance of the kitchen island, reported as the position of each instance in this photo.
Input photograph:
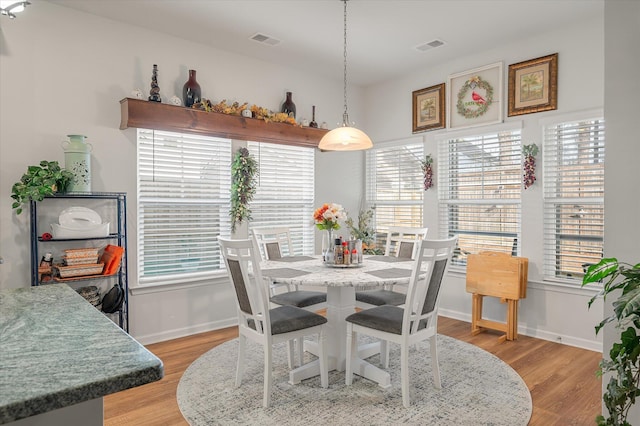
(59, 356)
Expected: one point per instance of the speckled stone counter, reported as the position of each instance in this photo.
(57, 350)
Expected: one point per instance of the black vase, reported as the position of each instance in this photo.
(288, 106)
(191, 90)
(154, 93)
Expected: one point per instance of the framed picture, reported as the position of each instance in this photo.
(533, 85)
(475, 97)
(429, 108)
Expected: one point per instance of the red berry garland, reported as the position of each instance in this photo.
(529, 167)
(529, 176)
(428, 172)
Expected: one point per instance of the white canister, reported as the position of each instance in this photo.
(77, 160)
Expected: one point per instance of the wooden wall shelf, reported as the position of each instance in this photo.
(139, 113)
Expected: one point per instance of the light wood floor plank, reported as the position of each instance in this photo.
(562, 380)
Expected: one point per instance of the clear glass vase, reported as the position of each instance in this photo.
(327, 246)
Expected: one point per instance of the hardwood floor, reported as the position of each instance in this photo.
(564, 387)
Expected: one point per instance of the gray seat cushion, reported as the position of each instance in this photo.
(299, 298)
(285, 319)
(384, 318)
(381, 297)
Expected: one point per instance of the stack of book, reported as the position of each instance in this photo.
(80, 263)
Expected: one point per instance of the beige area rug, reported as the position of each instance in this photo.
(477, 389)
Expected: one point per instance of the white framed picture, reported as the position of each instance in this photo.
(475, 97)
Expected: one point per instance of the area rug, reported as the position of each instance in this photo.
(477, 389)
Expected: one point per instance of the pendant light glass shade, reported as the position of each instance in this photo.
(345, 138)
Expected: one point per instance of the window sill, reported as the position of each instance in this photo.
(547, 285)
(160, 287)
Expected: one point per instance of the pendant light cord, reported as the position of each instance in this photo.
(345, 116)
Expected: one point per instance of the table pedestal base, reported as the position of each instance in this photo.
(340, 304)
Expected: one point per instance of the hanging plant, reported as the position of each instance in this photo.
(529, 167)
(244, 170)
(427, 170)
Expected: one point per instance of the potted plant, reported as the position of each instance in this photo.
(38, 182)
(624, 357)
(364, 231)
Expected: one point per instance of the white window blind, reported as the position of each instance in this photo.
(479, 190)
(285, 192)
(183, 205)
(395, 187)
(573, 182)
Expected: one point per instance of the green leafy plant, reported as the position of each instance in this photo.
(624, 363)
(244, 170)
(364, 231)
(40, 181)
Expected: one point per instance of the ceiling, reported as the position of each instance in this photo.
(382, 35)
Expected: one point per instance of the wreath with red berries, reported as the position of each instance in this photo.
(477, 108)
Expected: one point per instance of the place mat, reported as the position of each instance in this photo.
(293, 259)
(388, 259)
(391, 273)
(283, 273)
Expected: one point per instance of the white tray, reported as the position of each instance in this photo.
(333, 265)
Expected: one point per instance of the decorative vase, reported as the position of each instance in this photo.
(313, 123)
(288, 107)
(191, 90)
(154, 93)
(327, 246)
(77, 160)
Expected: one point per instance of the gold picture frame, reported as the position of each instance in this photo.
(429, 108)
(533, 85)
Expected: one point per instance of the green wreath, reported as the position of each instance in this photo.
(483, 106)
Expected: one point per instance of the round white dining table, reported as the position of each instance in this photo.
(341, 284)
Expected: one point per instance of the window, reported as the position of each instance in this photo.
(479, 191)
(183, 205)
(573, 182)
(395, 187)
(285, 191)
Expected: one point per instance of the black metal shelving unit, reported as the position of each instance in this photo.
(115, 200)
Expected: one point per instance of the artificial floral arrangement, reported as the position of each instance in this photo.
(427, 169)
(236, 109)
(327, 216)
(364, 231)
(529, 173)
(623, 388)
(40, 181)
(244, 170)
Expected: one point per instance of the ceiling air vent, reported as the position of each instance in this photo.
(265, 39)
(430, 45)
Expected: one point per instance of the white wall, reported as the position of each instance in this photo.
(64, 72)
(622, 204)
(550, 312)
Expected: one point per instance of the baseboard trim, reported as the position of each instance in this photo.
(185, 331)
(592, 345)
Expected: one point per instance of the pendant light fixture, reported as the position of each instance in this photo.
(345, 138)
(11, 7)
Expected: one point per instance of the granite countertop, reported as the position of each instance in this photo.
(57, 350)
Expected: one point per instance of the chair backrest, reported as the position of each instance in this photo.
(431, 264)
(273, 242)
(242, 260)
(401, 241)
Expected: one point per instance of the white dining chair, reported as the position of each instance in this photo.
(415, 322)
(401, 243)
(274, 242)
(260, 323)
